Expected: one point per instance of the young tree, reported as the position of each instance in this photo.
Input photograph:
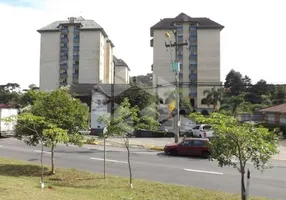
(29, 128)
(63, 115)
(125, 121)
(238, 143)
(54, 135)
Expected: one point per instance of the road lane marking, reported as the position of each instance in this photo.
(38, 151)
(108, 160)
(1, 146)
(201, 171)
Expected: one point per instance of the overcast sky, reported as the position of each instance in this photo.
(252, 42)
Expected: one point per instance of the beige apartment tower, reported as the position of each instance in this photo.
(75, 51)
(199, 59)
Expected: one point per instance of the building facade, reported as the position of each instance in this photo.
(199, 59)
(74, 51)
(122, 71)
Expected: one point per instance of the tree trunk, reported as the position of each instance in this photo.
(243, 191)
(104, 156)
(129, 164)
(53, 171)
(214, 106)
(42, 167)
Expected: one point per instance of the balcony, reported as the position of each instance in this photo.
(65, 30)
(75, 48)
(63, 75)
(76, 57)
(193, 77)
(193, 83)
(76, 31)
(193, 53)
(64, 40)
(63, 53)
(75, 75)
(63, 58)
(193, 57)
(192, 28)
(64, 35)
(63, 65)
(64, 49)
(76, 40)
(192, 94)
(75, 66)
(63, 81)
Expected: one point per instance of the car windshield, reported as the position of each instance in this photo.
(207, 127)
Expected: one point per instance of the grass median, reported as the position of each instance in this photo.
(20, 180)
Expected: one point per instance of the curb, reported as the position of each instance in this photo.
(155, 148)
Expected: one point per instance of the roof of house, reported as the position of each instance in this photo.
(275, 109)
(167, 23)
(119, 62)
(86, 24)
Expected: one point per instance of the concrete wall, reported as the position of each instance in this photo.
(49, 60)
(90, 49)
(162, 73)
(208, 61)
(121, 75)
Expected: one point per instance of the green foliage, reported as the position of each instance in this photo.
(54, 135)
(126, 120)
(240, 142)
(213, 96)
(184, 101)
(61, 109)
(10, 94)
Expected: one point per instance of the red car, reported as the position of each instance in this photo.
(190, 147)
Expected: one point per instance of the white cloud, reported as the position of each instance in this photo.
(252, 42)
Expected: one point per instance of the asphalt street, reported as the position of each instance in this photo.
(150, 165)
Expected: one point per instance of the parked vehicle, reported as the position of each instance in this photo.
(7, 128)
(203, 131)
(190, 147)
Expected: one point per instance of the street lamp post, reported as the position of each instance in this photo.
(177, 121)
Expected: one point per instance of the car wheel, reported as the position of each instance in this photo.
(173, 152)
(206, 154)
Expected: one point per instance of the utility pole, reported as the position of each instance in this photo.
(177, 120)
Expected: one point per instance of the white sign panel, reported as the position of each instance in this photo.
(97, 103)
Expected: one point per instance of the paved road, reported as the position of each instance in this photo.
(156, 166)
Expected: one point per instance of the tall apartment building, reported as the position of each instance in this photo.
(74, 51)
(199, 60)
(122, 71)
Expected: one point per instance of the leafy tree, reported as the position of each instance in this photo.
(54, 135)
(213, 96)
(232, 103)
(142, 80)
(139, 97)
(238, 143)
(10, 94)
(61, 109)
(279, 95)
(125, 121)
(234, 83)
(57, 117)
(246, 80)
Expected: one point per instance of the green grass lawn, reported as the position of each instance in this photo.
(20, 180)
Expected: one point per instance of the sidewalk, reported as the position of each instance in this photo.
(159, 143)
